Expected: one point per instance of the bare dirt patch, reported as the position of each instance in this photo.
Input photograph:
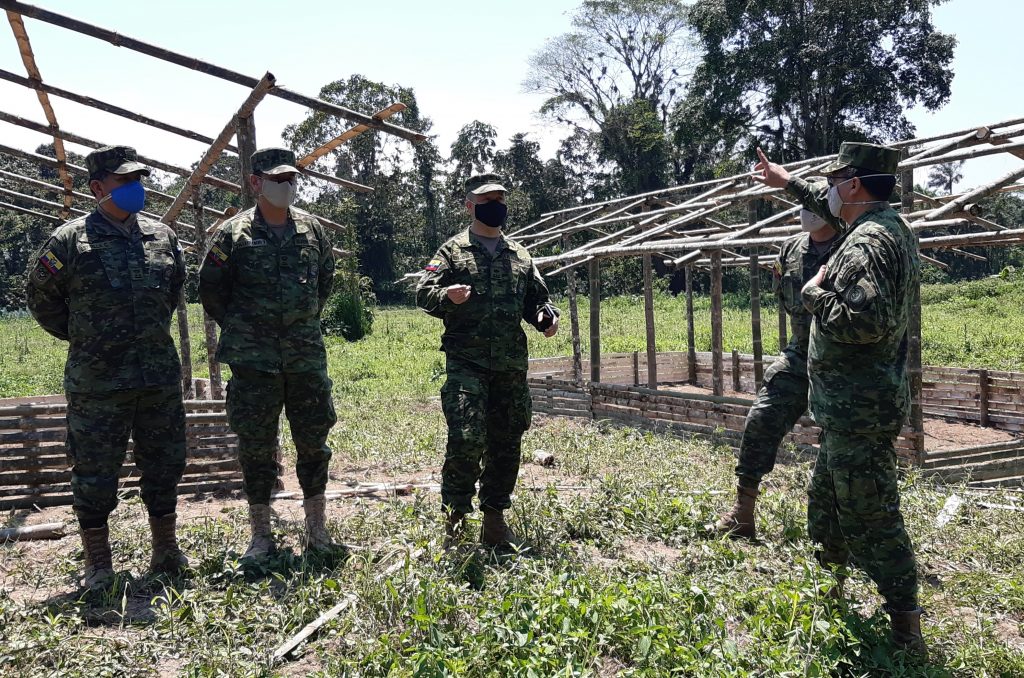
(940, 434)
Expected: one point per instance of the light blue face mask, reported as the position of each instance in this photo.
(130, 197)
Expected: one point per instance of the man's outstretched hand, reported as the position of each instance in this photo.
(768, 173)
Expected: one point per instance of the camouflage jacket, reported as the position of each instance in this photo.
(798, 262)
(111, 297)
(486, 330)
(267, 296)
(857, 356)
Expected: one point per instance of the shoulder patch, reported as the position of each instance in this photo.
(52, 263)
(432, 265)
(217, 256)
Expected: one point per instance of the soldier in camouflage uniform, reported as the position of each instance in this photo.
(108, 283)
(482, 285)
(857, 362)
(782, 398)
(265, 280)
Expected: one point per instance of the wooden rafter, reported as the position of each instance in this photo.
(349, 134)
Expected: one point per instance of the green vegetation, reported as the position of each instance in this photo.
(619, 579)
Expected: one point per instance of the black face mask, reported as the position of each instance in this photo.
(491, 213)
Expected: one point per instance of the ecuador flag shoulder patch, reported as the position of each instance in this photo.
(432, 265)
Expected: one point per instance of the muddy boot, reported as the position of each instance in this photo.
(495, 531)
(99, 570)
(262, 543)
(454, 529)
(167, 557)
(739, 522)
(906, 631)
(317, 536)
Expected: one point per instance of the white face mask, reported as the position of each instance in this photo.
(279, 194)
(835, 203)
(811, 222)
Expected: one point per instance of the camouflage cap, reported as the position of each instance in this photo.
(881, 159)
(273, 161)
(478, 184)
(114, 159)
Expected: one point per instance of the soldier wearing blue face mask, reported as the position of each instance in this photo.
(108, 283)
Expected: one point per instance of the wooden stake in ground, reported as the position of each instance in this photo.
(595, 321)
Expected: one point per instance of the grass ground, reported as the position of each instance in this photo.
(619, 577)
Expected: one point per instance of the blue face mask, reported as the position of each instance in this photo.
(130, 197)
(491, 213)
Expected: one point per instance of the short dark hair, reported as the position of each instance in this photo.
(880, 186)
(100, 175)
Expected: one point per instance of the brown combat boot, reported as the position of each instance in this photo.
(317, 536)
(454, 529)
(167, 557)
(906, 631)
(99, 568)
(262, 543)
(739, 521)
(495, 531)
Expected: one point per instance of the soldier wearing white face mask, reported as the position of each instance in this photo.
(782, 398)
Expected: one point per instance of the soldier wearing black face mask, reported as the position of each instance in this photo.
(482, 285)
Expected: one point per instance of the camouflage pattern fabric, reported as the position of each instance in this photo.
(114, 159)
(254, 403)
(782, 398)
(853, 509)
(267, 295)
(485, 331)
(874, 157)
(98, 428)
(486, 400)
(273, 161)
(487, 413)
(110, 294)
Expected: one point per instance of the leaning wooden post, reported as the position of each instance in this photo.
(717, 385)
(574, 320)
(691, 343)
(245, 127)
(755, 304)
(595, 320)
(209, 326)
(185, 347)
(914, 334)
(652, 350)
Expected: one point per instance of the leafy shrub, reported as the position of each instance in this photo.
(350, 308)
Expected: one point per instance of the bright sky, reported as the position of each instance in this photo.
(462, 62)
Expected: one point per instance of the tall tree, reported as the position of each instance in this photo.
(803, 75)
(945, 176)
(619, 73)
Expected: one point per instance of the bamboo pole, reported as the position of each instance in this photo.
(209, 325)
(755, 307)
(983, 396)
(347, 135)
(185, 347)
(967, 154)
(783, 333)
(974, 196)
(215, 150)
(245, 131)
(29, 60)
(32, 532)
(194, 64)
(736, 370)
(595, 321)
(691, 344)
(574, 323)
(39, 201)
(717, 387)
(31, 213)
(652, 350)
(914, 338)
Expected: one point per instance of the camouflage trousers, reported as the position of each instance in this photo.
(99, 425)
(853, 510)
(254, 403)
(780, 402)
(487, 413)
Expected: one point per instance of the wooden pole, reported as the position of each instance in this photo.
(215, 150)
(209, 325)
(574, 322)
(783, 337)
(31, 213)
(983, 396)
(736, 370)
(348, 134)
(717, 386)
(914, 336)
(32, 532)
(246, 135)
(595, 321)
(652, 349)
(194, 64)
(691, 343)
(755, 304)
(185, 347)
(29, 59)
